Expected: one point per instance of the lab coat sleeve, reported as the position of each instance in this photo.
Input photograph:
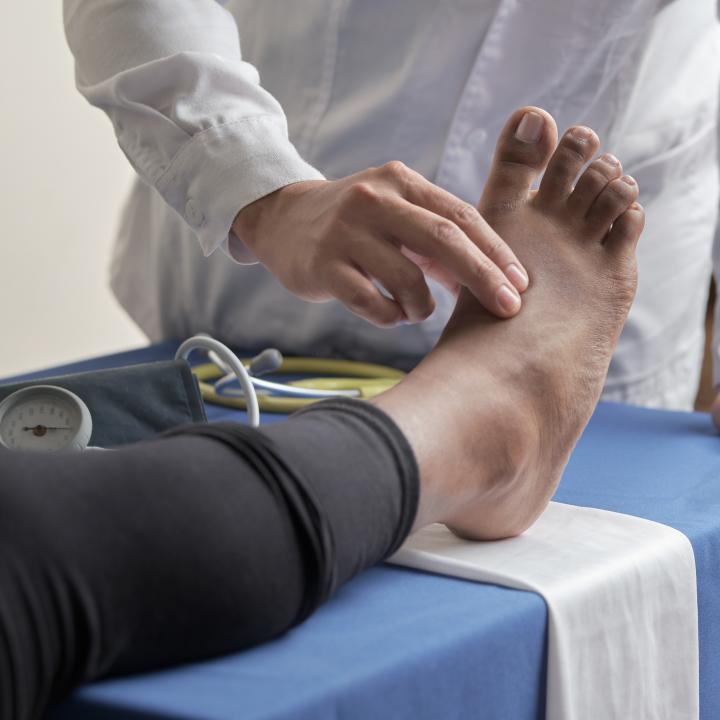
(188, 112)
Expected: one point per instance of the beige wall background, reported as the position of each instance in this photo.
(62, 184)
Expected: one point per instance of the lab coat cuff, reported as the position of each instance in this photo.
(225, 168)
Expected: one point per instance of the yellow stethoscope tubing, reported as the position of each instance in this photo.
(367, 378)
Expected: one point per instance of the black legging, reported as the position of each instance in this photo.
(212, 539)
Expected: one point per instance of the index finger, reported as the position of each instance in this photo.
(432, 236)
(419, 191)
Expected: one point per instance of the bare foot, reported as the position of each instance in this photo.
(494, 411)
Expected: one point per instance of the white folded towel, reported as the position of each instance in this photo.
(622, 607)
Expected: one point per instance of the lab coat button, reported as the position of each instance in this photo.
(193, 215)
(476, 138)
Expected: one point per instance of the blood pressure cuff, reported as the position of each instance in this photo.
(131, 403)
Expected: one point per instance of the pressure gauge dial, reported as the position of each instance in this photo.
(45, 418)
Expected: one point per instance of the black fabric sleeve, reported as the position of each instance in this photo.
(208, 540)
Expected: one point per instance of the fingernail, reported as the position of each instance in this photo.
(508, 299)
(517, 276)
(609, 159)
(530, 127)
(628, 180)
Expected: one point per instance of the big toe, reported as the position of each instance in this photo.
(521, 154)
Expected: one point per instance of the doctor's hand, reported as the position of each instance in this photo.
(386, 226)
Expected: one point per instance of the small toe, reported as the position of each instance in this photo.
(592, 182)
(576, 149)
(626, 229)
(521, 154)
(613, 200)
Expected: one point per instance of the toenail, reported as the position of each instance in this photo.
(609, 159)
(582, 133)
(628, 180)
(530, 127)
(636, 206)
(508, 299)
(517, 276)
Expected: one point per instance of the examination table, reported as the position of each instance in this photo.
(394, 643)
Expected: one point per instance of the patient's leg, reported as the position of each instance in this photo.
(212, 540)
(495, 410)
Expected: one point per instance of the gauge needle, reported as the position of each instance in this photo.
(48, 427)
(40, 430)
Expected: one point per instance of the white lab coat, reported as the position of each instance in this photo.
(428, 82)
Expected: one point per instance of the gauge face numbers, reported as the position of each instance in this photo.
(43, 419)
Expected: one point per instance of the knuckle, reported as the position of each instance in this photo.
(484, 270)
(361, 299)
(395, 169)
(362, 193)
(399, 175)
(494, 246)
(366, 303)
(444, 232)
(426, 308)
(465, 213)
